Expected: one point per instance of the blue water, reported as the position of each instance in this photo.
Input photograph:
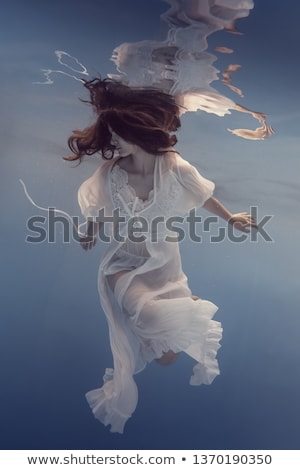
(54, 340)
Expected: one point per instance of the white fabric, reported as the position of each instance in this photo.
(149, 309)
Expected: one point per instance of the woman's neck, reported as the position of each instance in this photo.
(141, 163)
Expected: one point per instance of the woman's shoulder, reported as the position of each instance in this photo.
(170, 159)
(175, 162)
(98, 179)
(101, 172)
(94, 193)
(106, 166)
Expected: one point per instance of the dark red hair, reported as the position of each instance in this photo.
(143, 116)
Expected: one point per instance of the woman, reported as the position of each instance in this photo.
(144, 293)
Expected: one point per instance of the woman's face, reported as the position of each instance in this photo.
(123, 147)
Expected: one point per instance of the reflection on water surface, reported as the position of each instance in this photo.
(179, 63)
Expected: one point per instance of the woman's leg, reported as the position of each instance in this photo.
(169, 357)
(130, 302)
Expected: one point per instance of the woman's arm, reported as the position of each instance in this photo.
(89, 240)
(213, 205)
(241, 220)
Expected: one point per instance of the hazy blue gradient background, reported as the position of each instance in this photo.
(54, 340)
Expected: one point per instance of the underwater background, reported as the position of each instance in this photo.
(53, 337)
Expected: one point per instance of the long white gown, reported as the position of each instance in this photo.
(150, 309)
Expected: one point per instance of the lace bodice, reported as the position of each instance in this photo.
(160, 201)
(123, 192)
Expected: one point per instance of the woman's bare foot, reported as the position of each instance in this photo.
(167, 358)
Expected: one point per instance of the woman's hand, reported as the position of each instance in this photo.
(88, 241)
(242, 221)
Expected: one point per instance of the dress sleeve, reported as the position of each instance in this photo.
(197, 189)
(93, 194)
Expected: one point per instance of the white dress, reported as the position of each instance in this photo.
(150, 309)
